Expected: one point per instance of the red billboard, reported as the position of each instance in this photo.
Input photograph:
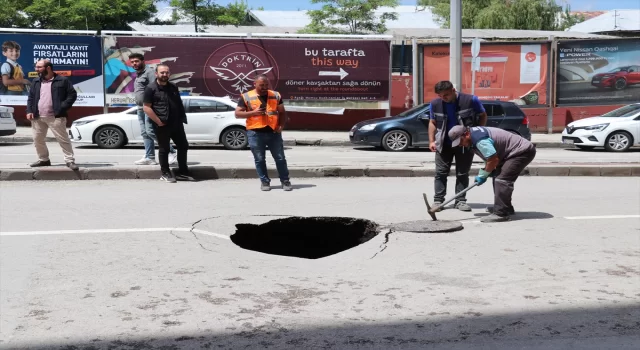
(299, 69)
(508, 72)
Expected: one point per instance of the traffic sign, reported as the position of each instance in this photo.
(475, 47)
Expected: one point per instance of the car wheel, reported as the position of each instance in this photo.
(110, 137)
(234, 139)
(586, 148)
(396, 141)
(618, 141)
(620, 84)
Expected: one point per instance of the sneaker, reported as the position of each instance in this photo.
(145, 161)
(167, 177)
(495, 218)
(286, 185)
(72, 166)
(510, 212)
(184, 177)
(40, 163)
(463, 206)
(265, 186)
(173, 157)
(437, 204)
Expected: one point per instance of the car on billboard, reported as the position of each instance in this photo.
(411, 127)
(210, 120)
(618, 79)
(7, 123)
(616, 131)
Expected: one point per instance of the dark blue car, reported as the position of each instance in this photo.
(411, 127)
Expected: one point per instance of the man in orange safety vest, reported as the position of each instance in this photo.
(266, 118)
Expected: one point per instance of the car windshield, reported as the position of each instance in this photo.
(622, 111)
(412, 110)
(620, 69)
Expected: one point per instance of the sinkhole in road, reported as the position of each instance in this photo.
(305, 237)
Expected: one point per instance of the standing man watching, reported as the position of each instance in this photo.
(144, 75)
(265, 114)
(452, 108)
(505, 154)
(50, 97)
(163, 104)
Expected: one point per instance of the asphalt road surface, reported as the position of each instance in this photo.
(149, 265)
(19, 155)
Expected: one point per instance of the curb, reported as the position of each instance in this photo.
(213, 173)
(287, 142)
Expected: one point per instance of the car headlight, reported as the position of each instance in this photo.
(82, 122)
(598, 127)
(368, 127)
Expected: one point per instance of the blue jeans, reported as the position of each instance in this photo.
(148, 136)
(258, 142)
(148, 133)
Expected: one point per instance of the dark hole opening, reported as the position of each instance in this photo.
(305, 237)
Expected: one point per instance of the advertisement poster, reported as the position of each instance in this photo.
(598, 71)
(507, 72)
(298, 69)
(76, 57)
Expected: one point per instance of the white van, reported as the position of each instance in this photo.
(7, 123)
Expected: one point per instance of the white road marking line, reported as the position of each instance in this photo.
(210, 234)
(122, 230)
(602, 217)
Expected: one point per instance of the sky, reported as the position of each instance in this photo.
(576, 5)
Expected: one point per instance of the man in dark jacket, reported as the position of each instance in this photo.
(50, 97)
(145, 74)
(452, 108)
(163, 104)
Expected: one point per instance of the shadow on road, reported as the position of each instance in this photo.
(524, 215)
(576, 328)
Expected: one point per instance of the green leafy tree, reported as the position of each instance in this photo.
(501, 14)
(349, 17)
(207, 12)
(569, 19)
(75, 14)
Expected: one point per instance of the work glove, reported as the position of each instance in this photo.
(482, 177)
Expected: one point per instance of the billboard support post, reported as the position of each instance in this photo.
(552, 83)
(415, 67)
(455, 45)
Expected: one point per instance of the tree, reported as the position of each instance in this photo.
(501, 14)
(207, 12)
(349, 17)
(569, 20)
(75, 14)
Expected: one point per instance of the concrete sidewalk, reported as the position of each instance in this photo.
(307, 138)
(210, 172)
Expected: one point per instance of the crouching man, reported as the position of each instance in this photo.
(505, 154)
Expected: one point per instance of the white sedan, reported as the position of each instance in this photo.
(7, 123)
(211, 120)
(616, 131)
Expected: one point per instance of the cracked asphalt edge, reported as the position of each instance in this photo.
(384, 244)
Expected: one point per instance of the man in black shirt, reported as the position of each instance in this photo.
(162, 103)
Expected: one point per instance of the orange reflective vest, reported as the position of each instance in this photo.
(270, 118)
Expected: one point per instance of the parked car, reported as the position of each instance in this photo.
(211, 120)
(411, 127)
(7, 123)
(616, 131)
(618, 79)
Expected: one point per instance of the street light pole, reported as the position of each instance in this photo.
(455, 45)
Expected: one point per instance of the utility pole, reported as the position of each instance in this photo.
(455, 45)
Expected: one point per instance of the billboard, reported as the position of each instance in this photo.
(75, 57)
(508, 72)
(598, 71)
(298, 69)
